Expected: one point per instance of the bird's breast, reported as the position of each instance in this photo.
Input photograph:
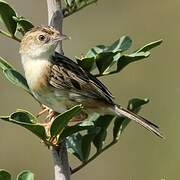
(37, 74)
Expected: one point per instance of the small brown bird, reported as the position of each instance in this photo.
(59, 83)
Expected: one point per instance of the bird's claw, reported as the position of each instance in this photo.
(44, 110)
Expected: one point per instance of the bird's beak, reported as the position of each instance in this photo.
(61, 38)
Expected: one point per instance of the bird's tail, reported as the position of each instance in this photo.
(140, 120)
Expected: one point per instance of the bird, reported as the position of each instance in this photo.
(60, 83)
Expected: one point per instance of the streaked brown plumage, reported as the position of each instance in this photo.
(60, 83)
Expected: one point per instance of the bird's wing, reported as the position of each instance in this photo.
(67, 75)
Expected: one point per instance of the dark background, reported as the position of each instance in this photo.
(139, 155)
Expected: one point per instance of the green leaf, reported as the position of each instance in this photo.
(79, 145)
(111, 59)
(23, 116)
(140, 54)
(24, 25)
(127, 59)
(135, 104)
(25, 175)
(4, 175)
(117, 129)
(4, 64)
(61, 121)
(87, 63)
(104, 60)
(28, 121)
(6, 17)
(104, 56)
(73, 144)
(122, 44)
(120, 123)
(103, 123)
(76, 128)
(86, 144)
(17, 79)
(150, 46)
(124, 60)
(13, 76)
(94, 51)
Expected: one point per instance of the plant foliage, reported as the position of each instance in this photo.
(24, 175)
(100, 60)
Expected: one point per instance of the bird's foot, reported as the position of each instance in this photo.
(50, 117)
(44, 110)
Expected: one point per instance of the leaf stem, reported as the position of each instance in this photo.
(93, 157)
(9, 35)
(76, 10)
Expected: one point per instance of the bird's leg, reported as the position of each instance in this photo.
(44, 110)
(50, 117)
(49, 120)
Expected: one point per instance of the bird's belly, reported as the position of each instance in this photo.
(58, 102)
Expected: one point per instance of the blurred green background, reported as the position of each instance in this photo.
(139, 155)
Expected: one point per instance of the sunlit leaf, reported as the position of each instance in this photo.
(104, 60)
(13, 76)
(61, 121)
(17, 79)
(87, 63)
(112, 59)
(4, 175)
(24, 25)
(135, 104)
(94, 51)
(6, 17)
(122, 44)
(28, 121)
(127, 59)
(150, 46)
(25, 175)
(4, 64)
(76, 128)
(23, 116)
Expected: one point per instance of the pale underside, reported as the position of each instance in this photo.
(60, 101)
(60, 84)
(56, 94)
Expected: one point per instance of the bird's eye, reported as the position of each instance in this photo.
(41, 37)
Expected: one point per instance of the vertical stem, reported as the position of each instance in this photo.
(61, 164)
(55, 18)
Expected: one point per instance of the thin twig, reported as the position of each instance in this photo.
(9, 35)
(76, 10)
(93, 157)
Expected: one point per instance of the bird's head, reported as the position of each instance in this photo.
(40, 42)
